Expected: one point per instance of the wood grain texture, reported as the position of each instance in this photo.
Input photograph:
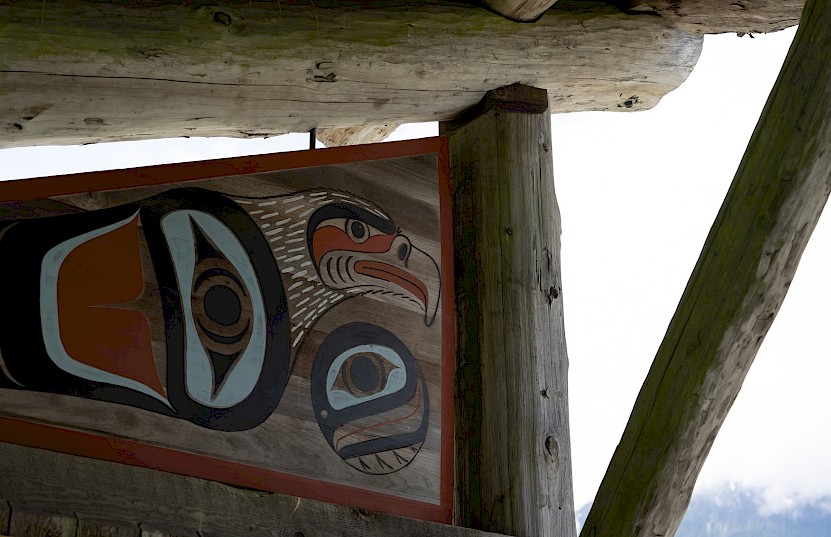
(513, 454)
(5, 517)
(25, 523)
(519, 10)
(733, 295)
(89, 527)
(358, 134)
(84, 71)
(714, 16)
(162, 504)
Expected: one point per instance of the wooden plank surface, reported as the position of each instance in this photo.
(731, 300)
(38, 524)
(5, 517)
(162, 504)
(358, 134)
(513, 453)
(348, 400)
(85, 71)
(88, 527)
(520, 10)
(715, 16)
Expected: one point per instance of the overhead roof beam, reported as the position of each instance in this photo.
(86, 71)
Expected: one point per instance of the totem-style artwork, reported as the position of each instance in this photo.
(280, 327)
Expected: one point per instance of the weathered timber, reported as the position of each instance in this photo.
(5, 515)
(99, 493)
(105, 528)
(733, 295)
(715, 16)
(40, 524)
(513, 455)
(84, 71)
(358, 134)
(519, 10)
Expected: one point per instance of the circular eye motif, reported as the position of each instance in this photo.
(365, 373)
(370, 398)
(357, 230)
(222, 305)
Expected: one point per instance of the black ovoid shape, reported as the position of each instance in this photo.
(30, 367)
(358, 230)
(376, 444)
(403, 252)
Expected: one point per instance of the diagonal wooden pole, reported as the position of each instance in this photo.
(513, 455)
(733, 295)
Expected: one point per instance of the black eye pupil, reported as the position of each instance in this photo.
(364, 374)
(358, 230)
(222, 305)
(403, 250)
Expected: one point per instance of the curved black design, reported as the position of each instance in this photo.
(220, 297)
(370, 398)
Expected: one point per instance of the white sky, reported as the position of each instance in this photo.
(638, 193)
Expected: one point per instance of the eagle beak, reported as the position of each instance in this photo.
(410, 270)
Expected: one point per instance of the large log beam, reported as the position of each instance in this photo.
(86, 71)
(718, 16)
(733, 295)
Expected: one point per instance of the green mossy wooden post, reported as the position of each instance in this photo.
(733, 295)
(513, 453)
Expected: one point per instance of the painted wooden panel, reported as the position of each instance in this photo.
(280, 322)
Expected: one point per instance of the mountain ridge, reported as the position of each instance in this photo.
(734, 511)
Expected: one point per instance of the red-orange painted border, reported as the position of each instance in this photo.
(19, 431)
(43, 187)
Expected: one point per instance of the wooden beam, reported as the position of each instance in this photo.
(83, 71)
(733, 295)
(717, 16)
(513, 454)
(520, 10)
(37, 524)
(358, 134)
(54, 490)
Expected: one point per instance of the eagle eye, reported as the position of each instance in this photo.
(358, 231)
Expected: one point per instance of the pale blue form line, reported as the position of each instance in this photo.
(395, 381)
(49, 270)
(199, 376)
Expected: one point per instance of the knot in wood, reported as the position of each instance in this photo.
(222, 18)
(552, 449)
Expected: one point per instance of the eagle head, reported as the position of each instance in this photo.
(330, 245)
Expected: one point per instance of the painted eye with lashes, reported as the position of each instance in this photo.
(370, 398)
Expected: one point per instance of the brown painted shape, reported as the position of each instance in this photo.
(96, 282)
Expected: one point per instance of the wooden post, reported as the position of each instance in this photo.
(732, 298)
(513, 456)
